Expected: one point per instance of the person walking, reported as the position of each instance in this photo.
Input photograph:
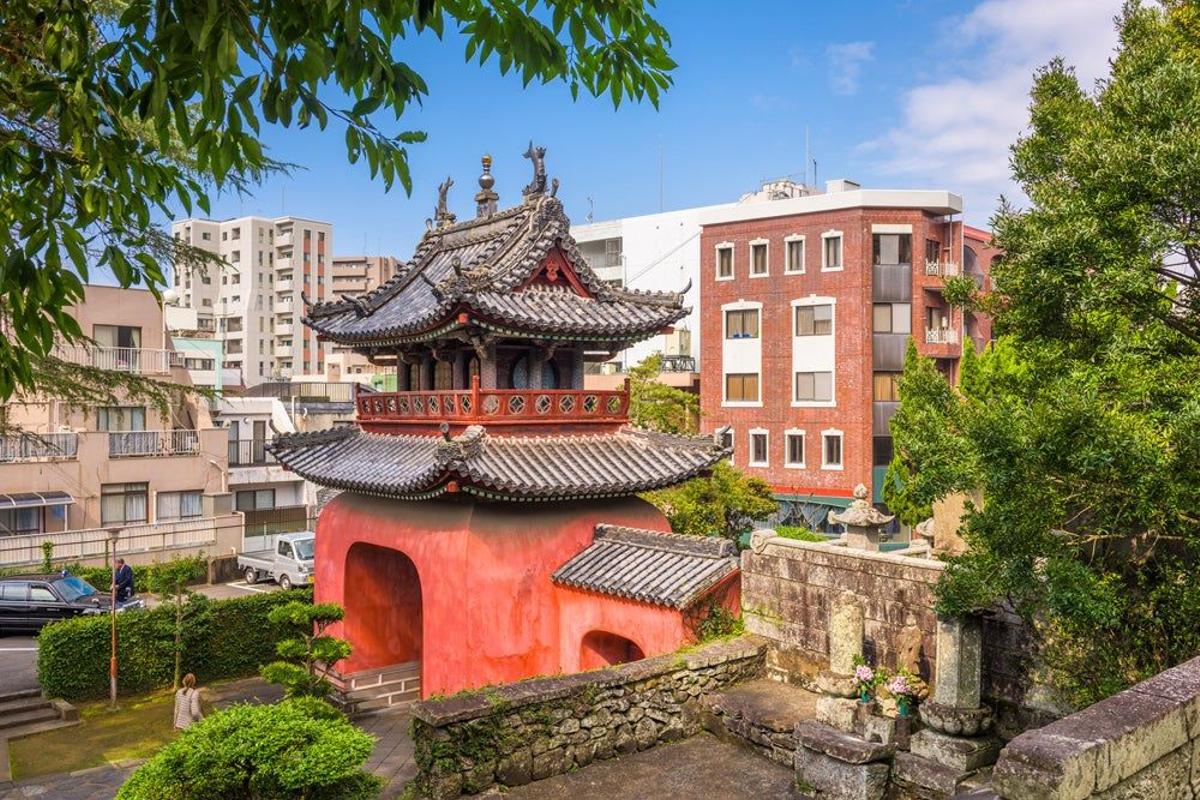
(187, 704)
(123, 580)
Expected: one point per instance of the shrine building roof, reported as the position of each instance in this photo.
(666, 569)
(621, 462)
(515, 271)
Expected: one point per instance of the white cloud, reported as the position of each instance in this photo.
(956, 132)
(845, 64)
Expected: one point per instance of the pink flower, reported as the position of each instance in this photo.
(864, 673)
(899, 686)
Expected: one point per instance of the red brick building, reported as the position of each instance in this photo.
(807, 306)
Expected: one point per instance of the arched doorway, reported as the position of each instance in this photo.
(602, 649)
(383, 608)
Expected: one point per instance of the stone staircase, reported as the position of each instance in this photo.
(394, 686)
(26, 712)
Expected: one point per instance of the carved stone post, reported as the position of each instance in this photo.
(847, 621)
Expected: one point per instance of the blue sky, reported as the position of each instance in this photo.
(923, 93)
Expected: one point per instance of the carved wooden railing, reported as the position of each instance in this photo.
(496, 406)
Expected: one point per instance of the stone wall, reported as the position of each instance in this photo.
(1141, 743)
(512, 734)
(788, 587)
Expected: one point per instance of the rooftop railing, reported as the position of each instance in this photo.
(497, 406)
(122, 444)
(941, 336)
(38, 447)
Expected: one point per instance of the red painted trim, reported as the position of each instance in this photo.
(827, 491)
(556, 266)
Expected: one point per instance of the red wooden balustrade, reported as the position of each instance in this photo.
(496, 406)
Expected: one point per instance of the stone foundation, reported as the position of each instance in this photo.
(512, 734)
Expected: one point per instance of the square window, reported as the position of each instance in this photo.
(892, 248)
(724, 263)
(831, 450)
(814, 320)
(795, 256)
(887, 387)
(741, 324)
(892, 318)
(758, 259)
(831, 252)
(741, 387)
(795, 449)
(814, 387)
(758, 449)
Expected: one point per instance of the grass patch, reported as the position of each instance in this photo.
(799, 534)
(137, 729)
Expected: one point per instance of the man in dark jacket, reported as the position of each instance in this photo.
(123, 580)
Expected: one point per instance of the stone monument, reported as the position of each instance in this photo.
(847, 621)
(864, 523)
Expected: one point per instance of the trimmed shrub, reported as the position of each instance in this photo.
(221, 639)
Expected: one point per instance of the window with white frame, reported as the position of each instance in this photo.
(178, 505)
(813, 387)
(758, 259)
(741, 323)
(831, 449)
(794, 254)
(724, 262)
(794, 449)
(758, 448)
(831, 251)
(741, 387)
(814, 320)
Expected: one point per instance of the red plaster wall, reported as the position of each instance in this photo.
(852, 288)
(601, 649)
(383, 612)
(490, 612)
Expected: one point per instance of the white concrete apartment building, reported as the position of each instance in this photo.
(253, 305)
(661, 252)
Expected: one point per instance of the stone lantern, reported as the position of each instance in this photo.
(864, 523)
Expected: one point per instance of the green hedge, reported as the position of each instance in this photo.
(222, 639)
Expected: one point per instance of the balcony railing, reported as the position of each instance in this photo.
(497, 406)
(249, 453)
(945, 269)
(283, 328)
(678, 364)
(90, 543)
(307, 391)
(122, 444)
(38, 447)
(283, 286)
(941, 336)
(136, 360)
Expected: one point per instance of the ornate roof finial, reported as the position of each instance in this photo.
(486, 198)
(538, 156)
(442, 214)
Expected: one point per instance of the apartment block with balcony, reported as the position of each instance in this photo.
(253, 302)
(353, 276)
(69, 475)
(807, 306)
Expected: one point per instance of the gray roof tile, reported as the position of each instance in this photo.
(664, 569)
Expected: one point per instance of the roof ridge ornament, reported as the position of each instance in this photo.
(442, 215)
(486, 198)
(538, 185)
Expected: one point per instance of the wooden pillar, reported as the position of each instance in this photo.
(488, 377)
(536, 360)
(403, 383)
(462, 378)
(576, 366)
(426, 372)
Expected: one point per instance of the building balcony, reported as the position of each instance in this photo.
(25, 447)
(283, 264)
(249, 453)
(283, 286)
(284, 239)
(125, 444)
(941, 269)
(495, 407)
(135, 360)
(284, 306)
(941, 336)
(283, 328)
(283, 350)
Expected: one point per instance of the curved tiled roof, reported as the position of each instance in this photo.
(665, 569)
(479, 267)
(621, 462)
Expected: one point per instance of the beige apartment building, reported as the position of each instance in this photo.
(352, 276)
(253, 304)
(69, 475)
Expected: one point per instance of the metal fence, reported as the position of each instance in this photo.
(137, 360)
(26, 549)
(249, 452)
(153, 443)
(38, 447)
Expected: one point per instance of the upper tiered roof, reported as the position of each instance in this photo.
(516, 272)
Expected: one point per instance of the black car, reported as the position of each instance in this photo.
(27, 602)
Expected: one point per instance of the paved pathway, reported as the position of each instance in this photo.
(18, 659)
(700, 768)
(392, 759)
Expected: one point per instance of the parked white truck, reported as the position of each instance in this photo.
(289, 563)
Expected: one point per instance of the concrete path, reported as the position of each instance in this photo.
(700, 768)
(18, 660)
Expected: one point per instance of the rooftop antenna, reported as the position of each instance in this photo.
(814, 173)
(591, 215)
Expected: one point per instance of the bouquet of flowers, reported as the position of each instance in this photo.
(866, 680)
(902, 689)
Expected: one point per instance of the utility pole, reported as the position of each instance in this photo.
(113, 533)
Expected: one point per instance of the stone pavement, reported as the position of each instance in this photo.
(700, 768)
(392, 758)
